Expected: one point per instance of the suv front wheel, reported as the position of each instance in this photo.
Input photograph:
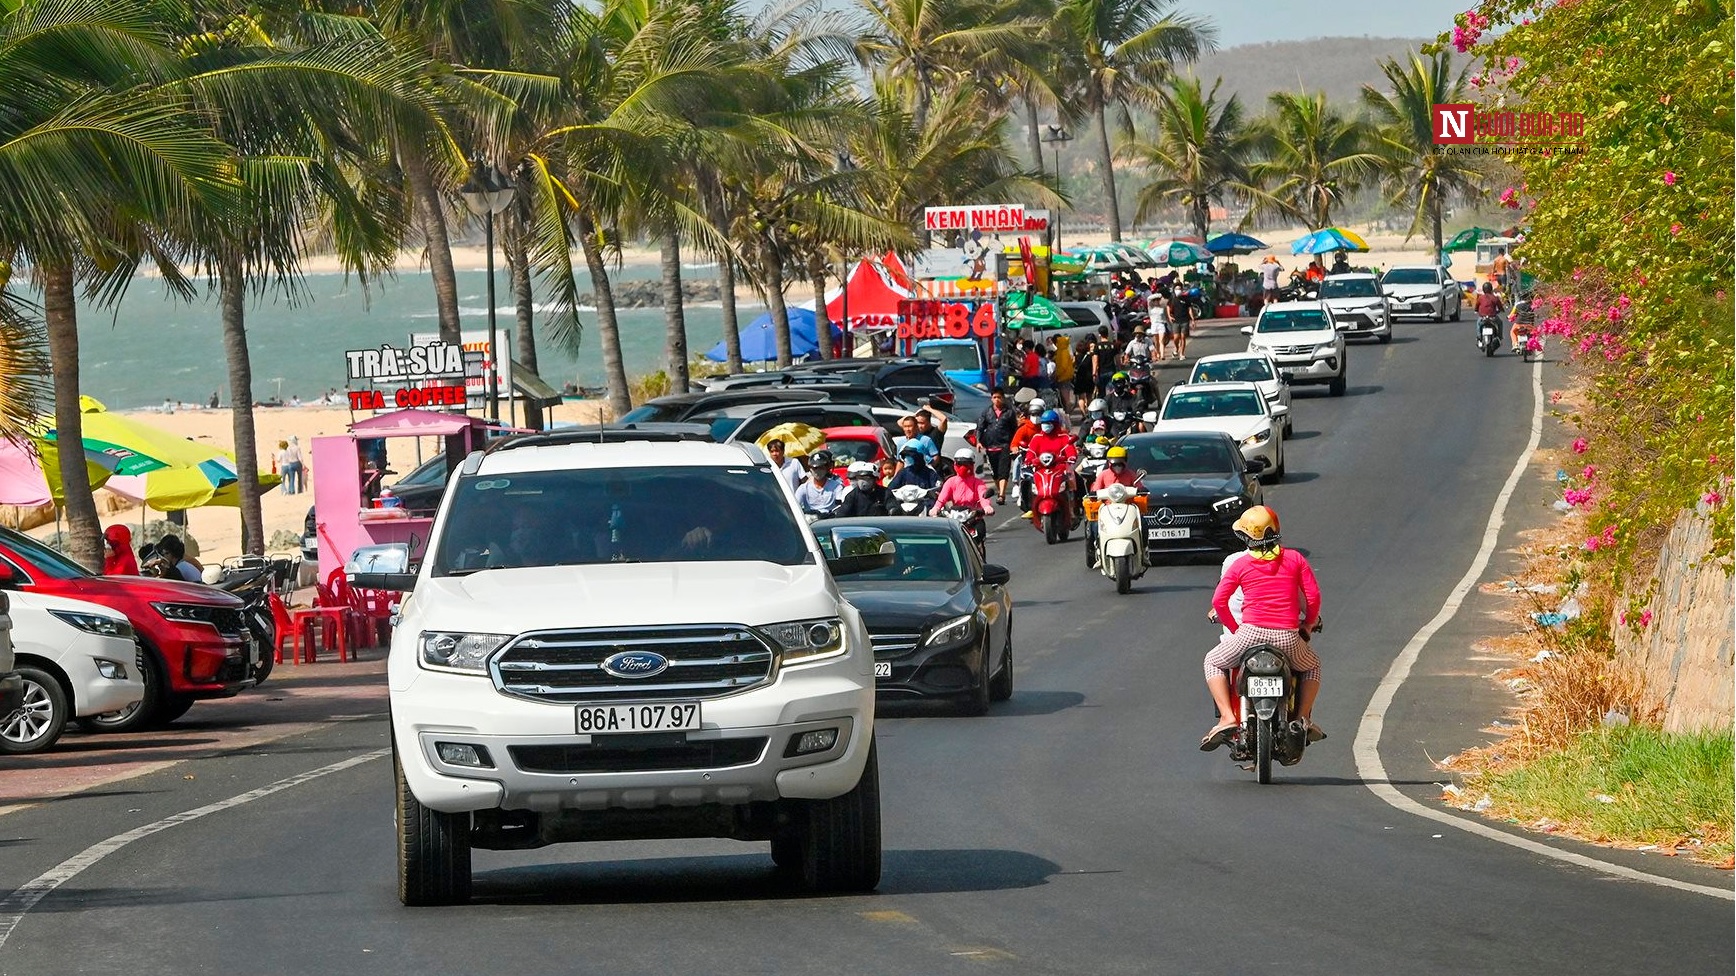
(835, 844)
(433, 850)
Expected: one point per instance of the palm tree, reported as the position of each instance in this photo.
(102, 156)
(1419, 174)
(1199, 156)
(1314, 157)
(1121, 50)
(927, 42)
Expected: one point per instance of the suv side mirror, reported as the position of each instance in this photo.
(1247, 330)
(995, 575)
(1255, 465)
(855, 549)
(383, 567)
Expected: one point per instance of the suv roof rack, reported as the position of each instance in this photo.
(665, 432)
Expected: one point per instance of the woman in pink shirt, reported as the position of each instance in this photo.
(1278, 589)
(964, 488)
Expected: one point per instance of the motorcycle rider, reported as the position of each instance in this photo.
(1027, 430)
(1123, 399)
(1051, 438)
(1489, 306)
(995, 429)
(1096, 412)
(916, 470)
(823, 491)
(1278, 588)
(867, 496)
(964, 489)
(1116, 472)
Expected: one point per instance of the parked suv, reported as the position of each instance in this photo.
(904, 380)
(1301, 337)
(195, 638)
(632, 639)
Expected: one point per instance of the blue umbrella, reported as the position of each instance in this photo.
(1329, 240)
(1235, 244)
(759, 341)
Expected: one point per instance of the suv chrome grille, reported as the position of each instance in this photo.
(567, 665)
(1292, 350)
(893, 645)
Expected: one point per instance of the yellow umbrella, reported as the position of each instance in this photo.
(798, 438)
(187, 474)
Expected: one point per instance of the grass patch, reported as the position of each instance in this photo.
(1668, 789)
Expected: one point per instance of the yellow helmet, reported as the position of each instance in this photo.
(1258, 527)
(1118, 453)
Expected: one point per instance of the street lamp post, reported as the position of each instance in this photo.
(487, 192)
(1055, 136)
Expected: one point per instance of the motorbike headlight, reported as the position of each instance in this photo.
(464, 653)
(954, 631)
(1265, 662)
(802, 641)
(1259, 438)
(1229, 504)
(94, 623)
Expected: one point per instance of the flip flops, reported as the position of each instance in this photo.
(1218, 736)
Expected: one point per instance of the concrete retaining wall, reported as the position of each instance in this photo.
(1686, 655)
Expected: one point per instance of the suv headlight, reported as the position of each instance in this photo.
(1229, 504)
(464, 653)
(954, 631)
(93, 623)
(1326, 349)
(1259, 438)
(802, 641)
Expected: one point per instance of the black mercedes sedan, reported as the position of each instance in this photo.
(940, 618)
(1197, 485)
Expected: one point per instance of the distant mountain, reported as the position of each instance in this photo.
(1338, 65)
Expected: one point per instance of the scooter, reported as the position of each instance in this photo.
(1266, 687)
(1052, 498)
(1118, 515)
(1095, 459)
(1488, 334)
(974, 525)
(911, 500)
(253, 579)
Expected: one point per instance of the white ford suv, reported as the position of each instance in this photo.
(625, 635)
(1303, 340)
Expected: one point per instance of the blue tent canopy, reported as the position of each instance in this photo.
(759, 342)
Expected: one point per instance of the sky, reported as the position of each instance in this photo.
(1259, 21)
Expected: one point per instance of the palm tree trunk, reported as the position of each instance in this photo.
(731, 325)
(232, 292)
(822, 319)
(84, 530)
(1435, 219)
(1033, 137)
(774, 269)
(1108, 161)
(674, 319)
(524, 302)
(1202, 218)
(431, 218)
(608, 328)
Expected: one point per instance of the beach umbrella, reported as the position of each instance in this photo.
(1466, 240)
(1235, 244)
(30, 474)
(799, 439)
(181, 474)
(1103, 257)
(1329, 240)
(759, 341)
(1038, 313)
(1177, 253)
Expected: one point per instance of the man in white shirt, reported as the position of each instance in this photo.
(1138, 347)
(791, 469)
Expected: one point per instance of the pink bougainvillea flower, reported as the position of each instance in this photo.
(1592, 543)
(1712, 499)
(1589, 473)
(1711, 459)
(1645, 618)
(1577, 496)
(1510, 198)
(1669, 177)
(1579, 445)
(1555, 396)
(1614, 314)
(1621, 618)
(1675, 230)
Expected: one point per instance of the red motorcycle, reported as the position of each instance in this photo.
(1052, 497)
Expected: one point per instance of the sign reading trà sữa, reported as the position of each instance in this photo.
(425, 375)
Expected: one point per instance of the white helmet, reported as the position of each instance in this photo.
(859, 468)
(1097, 405)
(964, 454)
(1037, 407)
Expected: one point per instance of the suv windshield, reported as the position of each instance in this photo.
(1411, 276)
(602, 515)
(1170, 458)
(1229, 403)
(1248, 370)
(952, 357)
(1301, 320)
(41, 558)
(1349, 288)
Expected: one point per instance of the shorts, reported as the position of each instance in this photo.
(1229, 651)
(999, 462)
(1181, 327)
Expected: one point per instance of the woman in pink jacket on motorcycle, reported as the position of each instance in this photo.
(964, 488)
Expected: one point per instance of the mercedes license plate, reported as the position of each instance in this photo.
(1262, 687)
(1167, 534)
(659, 717)
(882, 669)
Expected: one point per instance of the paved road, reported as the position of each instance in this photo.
(1075, 830)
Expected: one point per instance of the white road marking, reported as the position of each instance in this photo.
(19, 903)
(1367, 745)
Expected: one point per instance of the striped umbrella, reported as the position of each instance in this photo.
(1177, 253)
(1329, 240)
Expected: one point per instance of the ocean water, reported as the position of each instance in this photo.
(151, 347)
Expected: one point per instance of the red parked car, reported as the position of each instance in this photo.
(194, 638)
(850, 444)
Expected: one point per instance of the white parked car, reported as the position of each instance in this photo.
(1300, 336)
(1258, 368)
(618, 636)
(1359, 307)
(1422, 289)
(77, 659)
(1236, 409)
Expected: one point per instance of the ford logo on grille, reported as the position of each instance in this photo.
(635, 664)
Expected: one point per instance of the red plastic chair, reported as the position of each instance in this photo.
(303, 626)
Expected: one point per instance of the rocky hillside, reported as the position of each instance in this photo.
(1338, 65)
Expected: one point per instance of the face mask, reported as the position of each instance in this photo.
(1117, 465)
(1048, 428)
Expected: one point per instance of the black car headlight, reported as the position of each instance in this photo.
(96, 623)
(802, 641)
(954, 631)
(464, 653)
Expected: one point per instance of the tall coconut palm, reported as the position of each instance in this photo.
(927, 43)
(1121, 51)
(1417, 173)
(1315, 157)
(1198, 156)
(101, 154)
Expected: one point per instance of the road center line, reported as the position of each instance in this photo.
(1367, 745)
(19, 903)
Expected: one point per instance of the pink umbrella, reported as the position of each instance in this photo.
(23, 480)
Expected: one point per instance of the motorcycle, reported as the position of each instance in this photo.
(911, 500)
(1094, 461)
(1139, 374)
(974, 524)
(1488, 334)
(1117, 534)
(1266, 689)
(1052, 498)
(254, 580)
(1527, 340)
